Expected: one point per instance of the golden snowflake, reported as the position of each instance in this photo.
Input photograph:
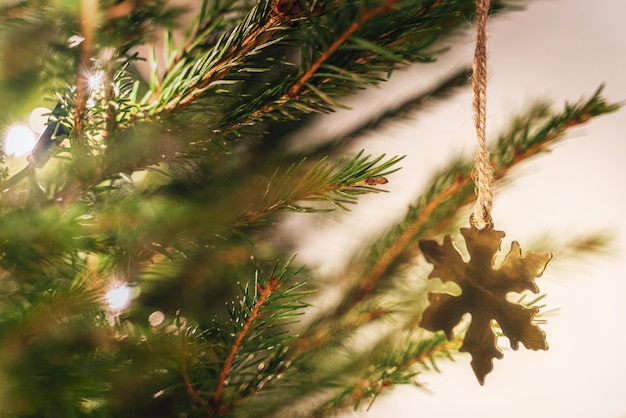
(484, 291)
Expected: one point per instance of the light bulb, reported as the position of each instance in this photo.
(19, 141)
(95, 80)
(118, 297)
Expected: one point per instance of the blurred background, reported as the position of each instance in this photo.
(555, 50)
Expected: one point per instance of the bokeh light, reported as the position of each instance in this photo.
(38, 119)
(19, 141)
(118, 297)
(156, 318)
(95, 80)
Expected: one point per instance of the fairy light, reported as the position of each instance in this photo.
(118, 297)
(156, 318)
(19, 141)
(95, 81)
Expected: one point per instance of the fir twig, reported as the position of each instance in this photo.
(323, 89)
(217, 64)
(392, 361)
(264, 292)
(337, 183)
(366, 15)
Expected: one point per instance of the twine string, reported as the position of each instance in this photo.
(483, 170)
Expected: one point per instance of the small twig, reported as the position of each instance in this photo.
(264, 293)
(318, 338)
(364, 388)
(365, 16)
(406, 237)
(220, 69)
(454, 343)
(252, 216)
(296, 88)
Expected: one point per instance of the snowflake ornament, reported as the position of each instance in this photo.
(484, 291)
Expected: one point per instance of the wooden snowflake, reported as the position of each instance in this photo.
(484, 291)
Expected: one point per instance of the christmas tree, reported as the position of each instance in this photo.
(144, 271)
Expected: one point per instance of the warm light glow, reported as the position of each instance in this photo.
(118, 297)
(156, 318)
(95, 80)
(74, 40)
(19, 141)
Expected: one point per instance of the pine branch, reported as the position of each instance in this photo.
(325, 78)
(337, 183)
(247, 351)
(264, 293)
(390, 366)
(130, 219)
(345, 377)
(204, 74)
(366, 15)
(188, 80)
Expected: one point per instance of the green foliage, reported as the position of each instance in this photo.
(168, 185)
(338, 183)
